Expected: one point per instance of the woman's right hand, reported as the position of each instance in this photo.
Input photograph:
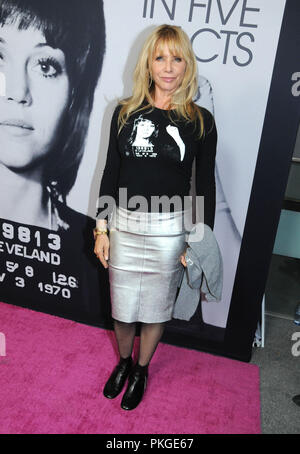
(101, 249)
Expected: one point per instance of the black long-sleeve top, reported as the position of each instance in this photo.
(152, 156)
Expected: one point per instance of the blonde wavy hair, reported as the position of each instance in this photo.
(182, 103)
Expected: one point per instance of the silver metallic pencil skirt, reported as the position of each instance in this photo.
(144, 264)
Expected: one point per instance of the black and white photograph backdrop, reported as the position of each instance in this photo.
(63, 67)
(51, 58)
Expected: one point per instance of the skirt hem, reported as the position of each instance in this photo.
(141, 321)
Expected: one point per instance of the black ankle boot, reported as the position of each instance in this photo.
(116, 381)
(136, 387)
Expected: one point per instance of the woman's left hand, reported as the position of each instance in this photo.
(182, 259)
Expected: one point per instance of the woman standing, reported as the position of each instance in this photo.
(145, 249)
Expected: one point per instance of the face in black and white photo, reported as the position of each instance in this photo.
(51, 56)
(144, 130)
(36, 98)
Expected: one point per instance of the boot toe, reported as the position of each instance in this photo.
(117, 379)
(135, 390)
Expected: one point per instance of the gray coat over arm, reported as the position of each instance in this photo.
(203, 273)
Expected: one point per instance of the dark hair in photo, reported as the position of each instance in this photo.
(77, 27)
(136, 122)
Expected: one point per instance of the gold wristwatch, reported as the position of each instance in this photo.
(100, 231)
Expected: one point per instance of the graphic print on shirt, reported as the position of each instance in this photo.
(174, 132)
(144, 139)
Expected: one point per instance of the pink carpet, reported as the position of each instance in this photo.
(54, 371)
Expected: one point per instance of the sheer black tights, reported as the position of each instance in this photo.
(151, 334)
